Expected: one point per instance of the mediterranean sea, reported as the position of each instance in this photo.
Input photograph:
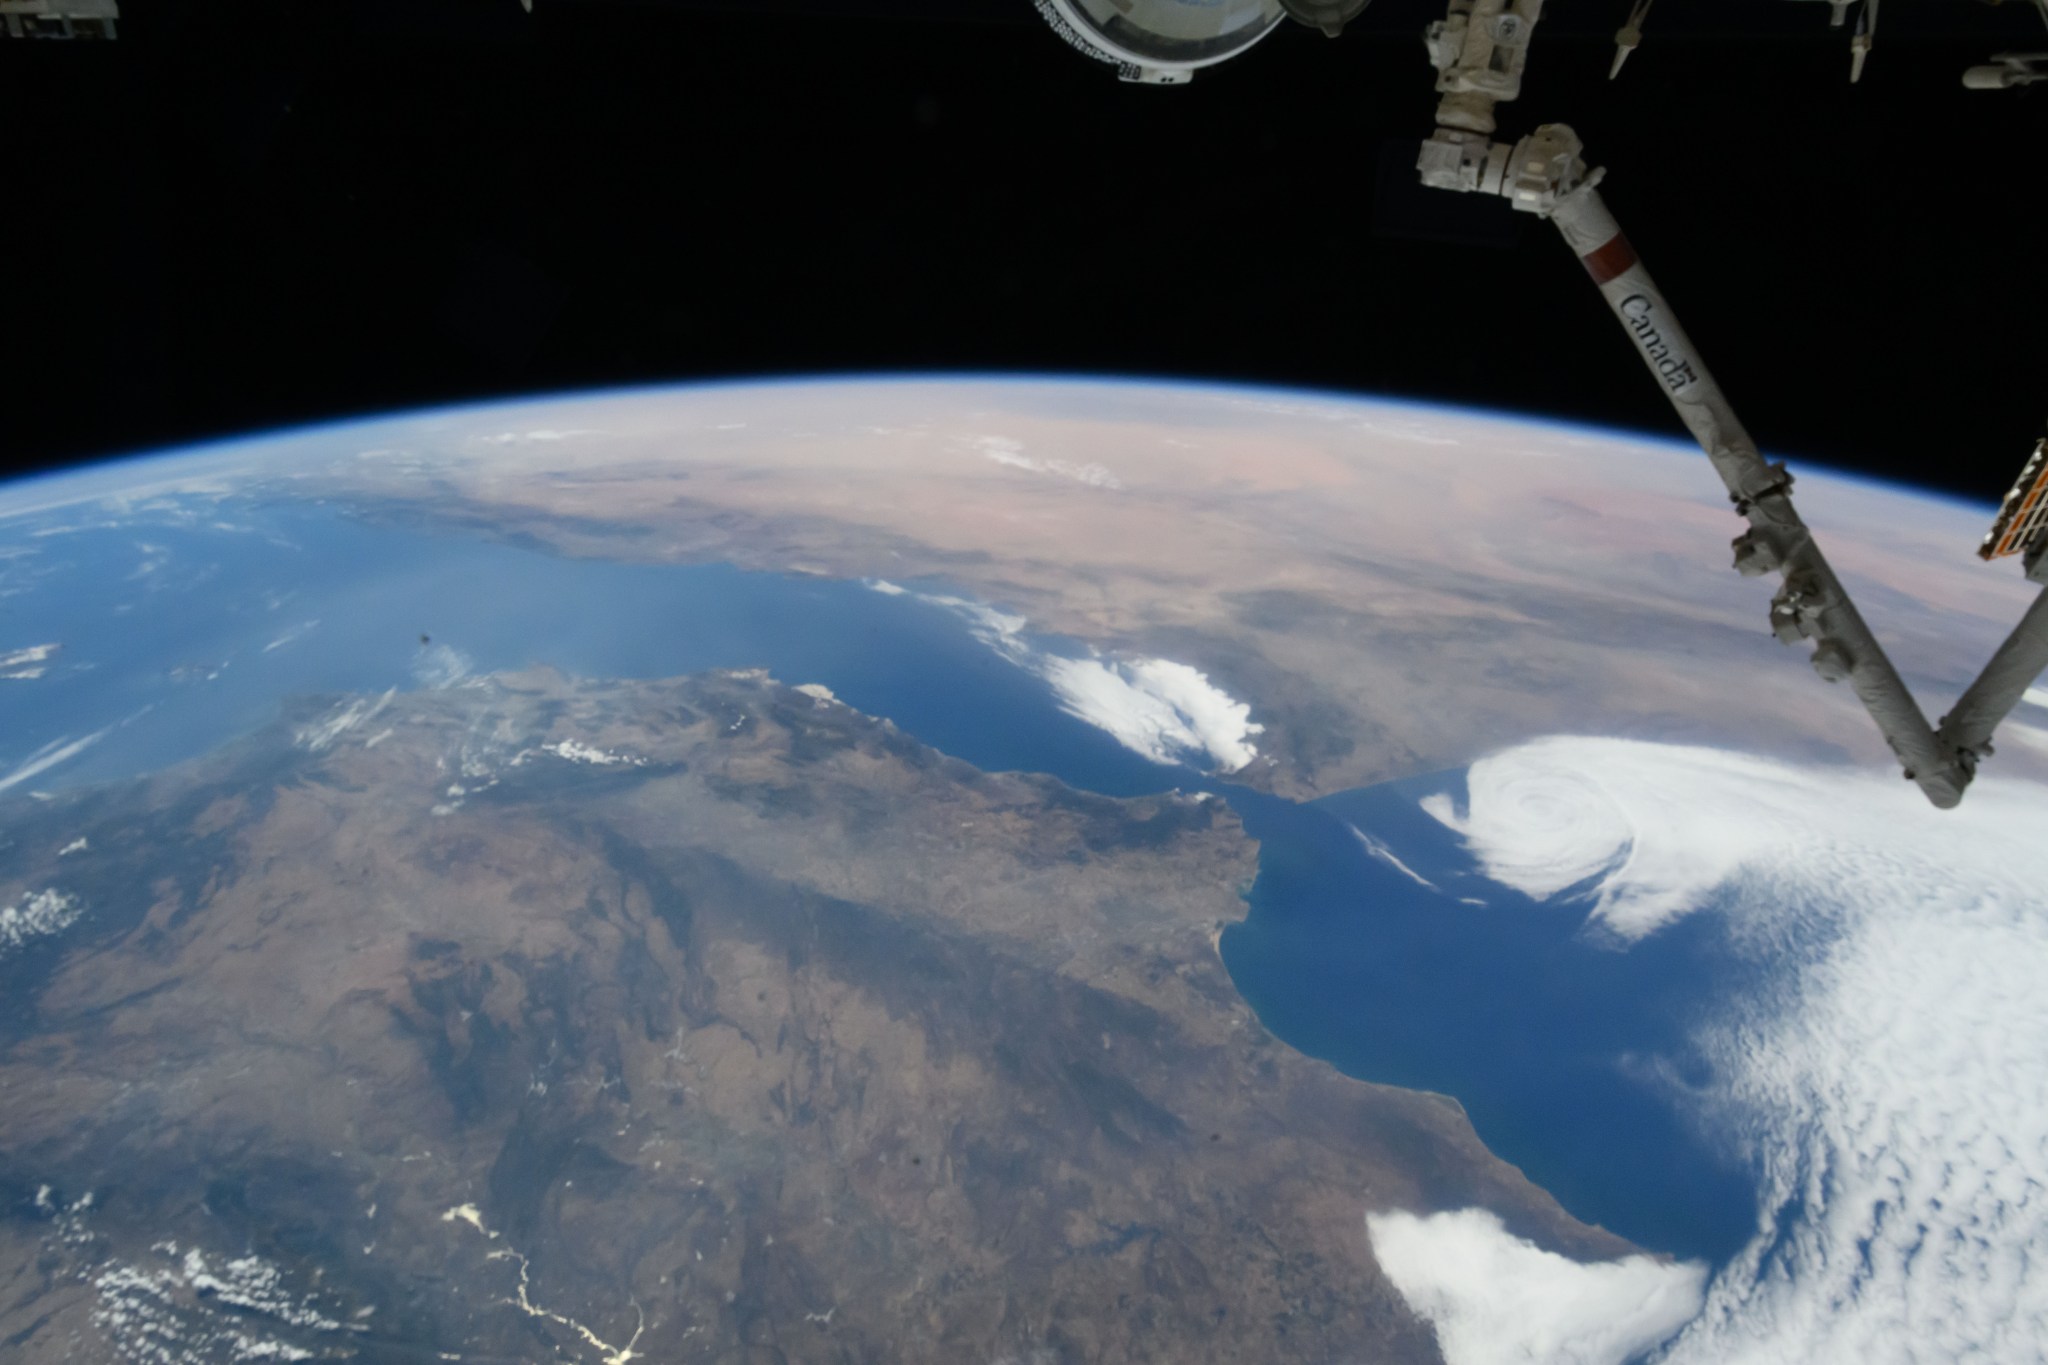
(1371, 939)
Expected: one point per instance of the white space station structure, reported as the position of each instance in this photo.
(1479, 49)
(1165, 42)
(62, 19)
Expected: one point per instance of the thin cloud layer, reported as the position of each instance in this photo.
(510, 438)
(1496, 1299)
(441, 666)
(50, 755)
(1005, 451)
(1887, 1080)
(1379, 851)
(291, 635)
(322, 733)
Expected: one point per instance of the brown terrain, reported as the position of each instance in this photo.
(691, 1020)
(1391, 591)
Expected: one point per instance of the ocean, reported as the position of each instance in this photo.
(1370, 940)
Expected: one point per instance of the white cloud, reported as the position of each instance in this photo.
(1496, 1299)
(297, 632)
(1310, 411)
(1005, 451)
(508, 438)
(1169, 712)
(2036, 696)
(49, 756)
(886, 588)
(999, 630)
(14, 659)
(322, 733)
(1559, 813)
(1375, 849)
(37, 916)
(1888, 1080)
(172, 1309)
(154, 557)
(576, 751)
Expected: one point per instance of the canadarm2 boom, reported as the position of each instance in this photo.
(1545, 174)
(1811, 603)
(1967, 729)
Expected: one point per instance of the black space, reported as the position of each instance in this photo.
(242, 215)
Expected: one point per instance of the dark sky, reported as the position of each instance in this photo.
(242, 215)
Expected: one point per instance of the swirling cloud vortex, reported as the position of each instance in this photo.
(1888, 1078)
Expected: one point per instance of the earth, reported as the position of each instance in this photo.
(996, 870)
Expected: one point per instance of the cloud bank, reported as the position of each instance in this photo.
(1888, 1079)
(1496, 1299)
(1169, 712)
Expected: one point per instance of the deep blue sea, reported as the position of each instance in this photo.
(178, 634)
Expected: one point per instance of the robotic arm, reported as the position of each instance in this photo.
(1478, 52)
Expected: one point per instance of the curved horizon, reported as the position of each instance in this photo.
(1508, 417)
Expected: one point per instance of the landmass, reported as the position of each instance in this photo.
(701, 1019)
(1390, 591)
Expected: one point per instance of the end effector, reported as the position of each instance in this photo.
(1532, 175)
